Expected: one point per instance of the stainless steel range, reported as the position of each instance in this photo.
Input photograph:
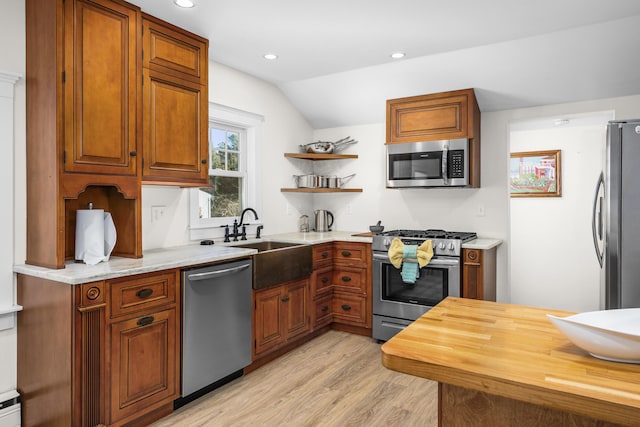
(396, 304)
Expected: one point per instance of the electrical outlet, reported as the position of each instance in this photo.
(289, 209)
(157, 212)
(348, 209)
(480, 211)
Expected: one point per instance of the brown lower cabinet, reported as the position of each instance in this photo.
(479, 274)
(281, 314)
(337, 294)
(100, 353)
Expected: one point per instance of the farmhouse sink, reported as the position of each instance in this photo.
(278, 262)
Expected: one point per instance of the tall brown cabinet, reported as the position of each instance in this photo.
(99, 125)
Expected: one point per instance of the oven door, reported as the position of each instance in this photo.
(394, 298)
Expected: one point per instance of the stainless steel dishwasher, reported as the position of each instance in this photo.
(216, 328)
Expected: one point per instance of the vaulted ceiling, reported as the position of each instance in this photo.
(334, 59)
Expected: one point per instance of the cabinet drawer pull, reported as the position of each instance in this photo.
(144, 293)
(144, 321)
(285, 299)
(133, 153)
(325, 308)
(346, 307)
(325, 254)
(204, 161)
(324, 279)
(346, 278)
(346, 253)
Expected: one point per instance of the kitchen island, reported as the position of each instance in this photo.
(502, 365)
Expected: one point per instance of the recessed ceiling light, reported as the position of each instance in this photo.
(397, 55)
(561, 122)
(270, 56)
(184, 3)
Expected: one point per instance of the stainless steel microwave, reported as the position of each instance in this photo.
(442, 163)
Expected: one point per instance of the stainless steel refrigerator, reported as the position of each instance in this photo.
(616, 217)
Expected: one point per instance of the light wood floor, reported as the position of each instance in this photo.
(336, 379)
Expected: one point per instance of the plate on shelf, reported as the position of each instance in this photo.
(606, 334)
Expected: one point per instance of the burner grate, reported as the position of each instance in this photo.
(431, 234)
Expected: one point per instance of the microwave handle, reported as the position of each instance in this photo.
(445, 157)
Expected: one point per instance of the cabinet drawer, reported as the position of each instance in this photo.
(350, 279)
(321, 280)
(351, 254)
(322, 310)
(142, 292)
(350, 309)
(322, 255)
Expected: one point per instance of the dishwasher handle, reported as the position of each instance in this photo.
(217, 273)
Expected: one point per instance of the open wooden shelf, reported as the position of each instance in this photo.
(316, 156)
(321, 190)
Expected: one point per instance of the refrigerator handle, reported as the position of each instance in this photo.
(597, 216)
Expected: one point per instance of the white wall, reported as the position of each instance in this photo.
(553, 263)
(12, 60)
(283, 130)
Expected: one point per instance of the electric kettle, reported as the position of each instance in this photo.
(322, 221)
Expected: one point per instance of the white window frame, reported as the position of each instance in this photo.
(207, 228)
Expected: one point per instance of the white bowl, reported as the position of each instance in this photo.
(607, 334)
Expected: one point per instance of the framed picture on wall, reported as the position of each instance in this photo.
(535, 174)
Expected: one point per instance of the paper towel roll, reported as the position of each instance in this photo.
(95, 236)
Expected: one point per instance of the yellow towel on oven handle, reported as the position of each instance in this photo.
(424, 253)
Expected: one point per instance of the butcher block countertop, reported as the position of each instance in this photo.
(515, 352)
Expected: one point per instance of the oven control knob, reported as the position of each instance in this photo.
(451, 246)
(442, 245)
(387, 243)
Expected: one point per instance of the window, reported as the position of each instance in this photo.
(227, 173)
(233, 172)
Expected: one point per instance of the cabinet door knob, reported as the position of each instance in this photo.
(144, 321)
(346, 307)
(346, 253)
(133, 153)
(144, 293)
(285, 299)
(324, 279)
(346, 278)
(325, 254)
(325, 308)
(93, 293)
(204, 161)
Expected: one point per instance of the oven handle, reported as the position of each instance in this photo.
(434, 261)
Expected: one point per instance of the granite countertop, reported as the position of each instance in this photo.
(175, 257)
(482, 243)
(194, 254)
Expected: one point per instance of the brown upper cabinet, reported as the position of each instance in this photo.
(88, 115)
(101, 70)
(173, 51)
(175, 106)
(445, 115)
(83, 67)
(438, 116)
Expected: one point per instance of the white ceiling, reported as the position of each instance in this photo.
(334, 62)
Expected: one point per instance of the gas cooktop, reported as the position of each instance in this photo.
(431, 234)
(444, 242)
